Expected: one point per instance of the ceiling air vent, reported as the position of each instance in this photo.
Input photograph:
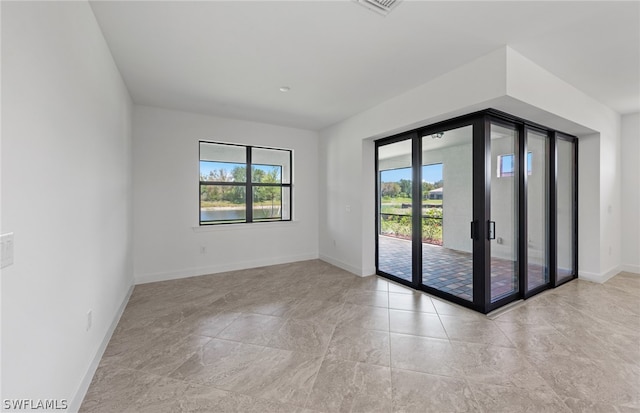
(383, 7)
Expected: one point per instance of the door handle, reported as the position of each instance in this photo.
(474, 231)
(492, 230)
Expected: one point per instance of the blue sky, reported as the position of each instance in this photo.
(206, 167)
(508, 164)
(430, 173)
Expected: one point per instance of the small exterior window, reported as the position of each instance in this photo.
(241, 184)
(506, 165)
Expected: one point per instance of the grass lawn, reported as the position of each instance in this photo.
(227, 204)
(397, 202)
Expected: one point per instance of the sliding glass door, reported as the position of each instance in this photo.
(537, 208)
(447, 211)
(395, 207)
(503, 223)
(479, 210)
(565, 209)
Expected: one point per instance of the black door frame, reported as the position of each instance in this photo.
(479, 227)
(524, 202)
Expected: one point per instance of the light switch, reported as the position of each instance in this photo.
(6, 251)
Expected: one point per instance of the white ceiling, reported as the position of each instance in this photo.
(230, 58)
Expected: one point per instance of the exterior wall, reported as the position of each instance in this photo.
(457, 204)
(503, 202)
(536, 203)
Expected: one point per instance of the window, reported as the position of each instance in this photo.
(244, 184)
(506, 165)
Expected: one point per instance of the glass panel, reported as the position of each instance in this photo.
(504, 212)
(447, 161)
(271, 161)
(223, 172)
(537, 211)
(269, 174)
(286, 203)
(565, 195)
(267, 203)
(395, 189)
(222, 204)
(222, 163)
(505, 165)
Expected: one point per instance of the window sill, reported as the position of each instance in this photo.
(245, 226)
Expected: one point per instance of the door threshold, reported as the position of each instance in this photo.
(504, 309)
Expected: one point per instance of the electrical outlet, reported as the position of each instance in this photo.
(6, 252)
(89, 319)
(203, 249)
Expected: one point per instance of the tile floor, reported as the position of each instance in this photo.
(449, 270)
(309, 337)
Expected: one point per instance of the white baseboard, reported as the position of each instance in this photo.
(591, 276)
(368, 271)
(635, 269)
(347, 267)
(612, 272)
(76, 402)
(599, 278)
(193, 272)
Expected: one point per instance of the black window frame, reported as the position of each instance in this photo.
(249, 185)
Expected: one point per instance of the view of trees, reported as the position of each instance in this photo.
(389, 189)
(230, 192)
(228, 195)
(267, 195)
(430, 186)
(399, 226)
(402, 189)
(218, 195)
(396, 210)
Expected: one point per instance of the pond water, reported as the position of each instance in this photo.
(222, 215)
(237, 214)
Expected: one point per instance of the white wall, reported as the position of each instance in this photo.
(166, 176)
(588, 206)
(457, 203)
(559, 103)
(347, 187)
(503, 200)
(537, 200)
(610, 203)
(66, 195)
(630, 161)
(504, 80)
